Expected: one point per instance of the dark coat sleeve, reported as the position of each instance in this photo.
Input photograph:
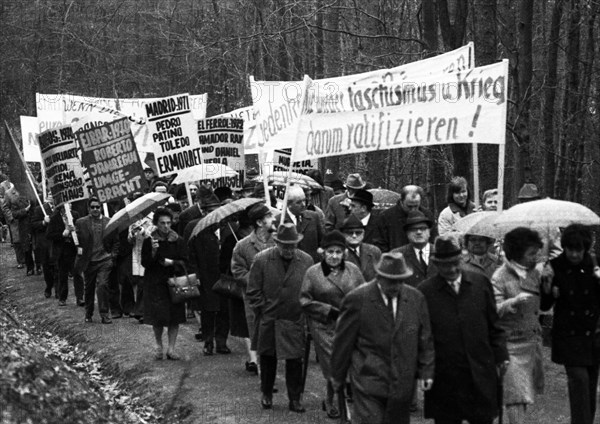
(37, 220)
(426, 356)
(255, 293)
(346, 335)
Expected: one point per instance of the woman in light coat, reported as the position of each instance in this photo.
(517, 286)
(459, 205)
(323, 289)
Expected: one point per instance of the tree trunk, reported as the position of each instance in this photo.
(549, 100)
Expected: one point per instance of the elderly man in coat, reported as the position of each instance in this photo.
(470, 346)
(337, 206)
(274, 295)
(418, 250)
(383, 338)
(363, 255)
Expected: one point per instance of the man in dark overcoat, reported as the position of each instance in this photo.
(470, 346)
(418, 251)
(205, 252)
(361, 205)
(383, 338)
(308, 223)
(274, 294)
(390, 224)
(363, 255)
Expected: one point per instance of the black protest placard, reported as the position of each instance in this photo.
(112, 160)
(64, 172)
(222, 141)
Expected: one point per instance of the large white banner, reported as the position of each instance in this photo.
(174, 134)
(55, 110)
(277, 103)
(248, 114)
(29, 133)
(463, 107)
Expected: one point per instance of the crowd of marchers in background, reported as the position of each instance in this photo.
(396, 301)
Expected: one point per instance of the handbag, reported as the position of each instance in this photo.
(227, 286)
(184, 287)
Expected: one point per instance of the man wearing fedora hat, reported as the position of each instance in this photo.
(470, 346)
(418, 250)
(383, 339)
(361, 205)
(244, 252)
(336, 212)
(363, 255)
(273, 293)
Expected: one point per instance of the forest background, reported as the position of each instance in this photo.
(154, 48)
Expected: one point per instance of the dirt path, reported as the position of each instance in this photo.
(199, 389)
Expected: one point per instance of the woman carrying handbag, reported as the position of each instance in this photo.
(164, 255)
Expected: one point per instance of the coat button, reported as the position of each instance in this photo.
(571, 292)
(587, 333)
(572, 332)
(587, 312)
(572, 313)
(586, 291)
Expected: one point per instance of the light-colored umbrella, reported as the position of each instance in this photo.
(134, 211)
(279, 178)
(545, 215)
(206, 171)
(383, 198)
(478, 224)
(222, 213)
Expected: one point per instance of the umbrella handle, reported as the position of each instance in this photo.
(233, 232)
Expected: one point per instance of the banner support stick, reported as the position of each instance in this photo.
(69, 216)
(501, 149)
(475, 175)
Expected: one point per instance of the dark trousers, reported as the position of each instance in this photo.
(379, 410)
(138, 308)
(583, 386)
(97, 277)
(125, 279)
(65, 264)
(215, 324)
(114, 291)
(19, 253)
(293, 376)
(460, 421)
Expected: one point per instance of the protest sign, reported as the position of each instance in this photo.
(174, 135)
(29, 132)
(463, 107)
(58, 147)
(277, 103)
(222, 141)
(248, 114)
(113, 163)
(58, 109)
(282, 158)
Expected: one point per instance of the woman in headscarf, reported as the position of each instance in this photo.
(323, 289)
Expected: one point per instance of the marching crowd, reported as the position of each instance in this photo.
(395, 301)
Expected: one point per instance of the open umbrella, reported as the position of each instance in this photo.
(545, 215)
(478, 224)
(134, 211)
(383, 198)
(279, 178)
(223, 212)
(206, 171)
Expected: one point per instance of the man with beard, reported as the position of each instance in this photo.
(274, 295)
(243, 257)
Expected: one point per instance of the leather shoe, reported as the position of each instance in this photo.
(88, 319)
(62, 303)
(80, 302)
(47, 294)
(252, 367)
(266, 402)
(296, 406)
(224, 350)
(116, 316)
(208, 349)
(106, 320)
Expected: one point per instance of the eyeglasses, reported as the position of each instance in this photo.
(354, 233)
(95, 207)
